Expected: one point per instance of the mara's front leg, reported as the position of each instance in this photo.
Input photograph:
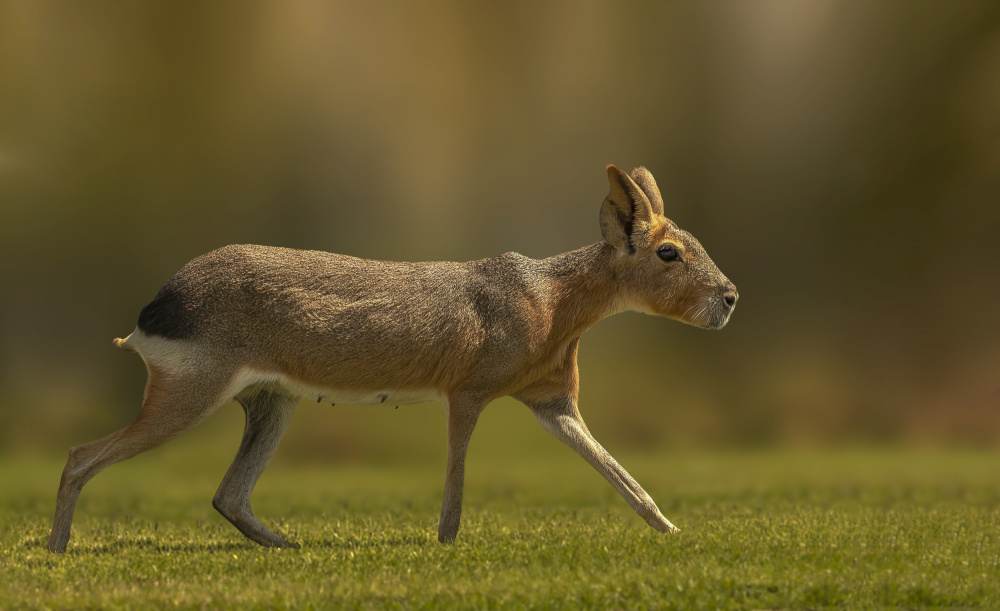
(561, 417)
(463, 412)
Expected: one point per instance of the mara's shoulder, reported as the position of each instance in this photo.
(509, 264)
(511, 273)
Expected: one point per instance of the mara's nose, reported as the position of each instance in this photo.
(730, 296)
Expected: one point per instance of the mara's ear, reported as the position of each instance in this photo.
(644, 179)
(626, 212)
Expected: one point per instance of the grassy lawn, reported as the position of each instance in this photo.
(860, 529)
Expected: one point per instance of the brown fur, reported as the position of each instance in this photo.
(268, 326)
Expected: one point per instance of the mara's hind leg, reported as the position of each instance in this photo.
(172, 404)
(267, 416)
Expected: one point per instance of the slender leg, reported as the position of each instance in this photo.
(562, 418)
(171, 406)
(462, 417)
(267, 418)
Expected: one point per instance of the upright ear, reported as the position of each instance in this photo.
(644, 179)
(626, 212)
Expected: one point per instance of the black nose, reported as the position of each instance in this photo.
(730, 298)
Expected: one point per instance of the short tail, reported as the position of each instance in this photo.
(123, 344)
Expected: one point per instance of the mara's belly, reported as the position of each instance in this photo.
(248, 378)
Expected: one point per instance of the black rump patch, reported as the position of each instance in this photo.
(168, 315)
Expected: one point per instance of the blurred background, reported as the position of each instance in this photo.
(840, 161)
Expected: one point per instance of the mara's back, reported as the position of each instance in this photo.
(341, 319)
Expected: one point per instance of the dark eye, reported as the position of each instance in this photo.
(668, 253)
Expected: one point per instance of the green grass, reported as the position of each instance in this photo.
(760, 530)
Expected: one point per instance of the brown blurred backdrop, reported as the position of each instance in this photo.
(840, 160)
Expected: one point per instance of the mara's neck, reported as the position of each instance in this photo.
(584, 288)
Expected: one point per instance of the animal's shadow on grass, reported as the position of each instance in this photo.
(143, 543)
(369, 541)
(139, 543)
(125, 544)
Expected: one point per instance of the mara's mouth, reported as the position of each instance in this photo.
(717, 318)
(710, 316)
(709, 313)
(715, 325)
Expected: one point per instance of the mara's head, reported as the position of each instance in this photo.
(661, 268)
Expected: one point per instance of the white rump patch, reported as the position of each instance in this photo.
(170, 356)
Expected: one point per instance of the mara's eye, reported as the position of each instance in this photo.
(668, 253)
